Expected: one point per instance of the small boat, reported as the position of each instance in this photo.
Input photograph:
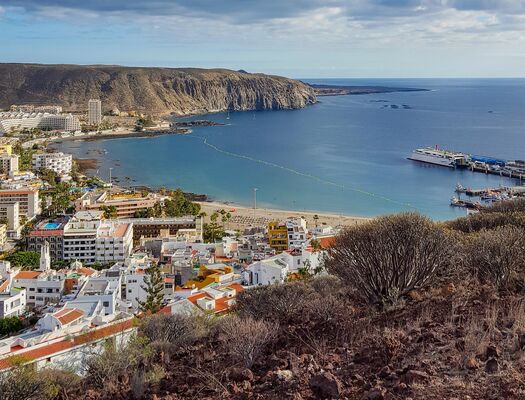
(455, 202)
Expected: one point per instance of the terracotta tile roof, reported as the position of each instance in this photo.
(86, 271)
(28, 275)
(4, 286)
(327, 242)
(46, 232)
(68, 315)
(221, 305)
(53, 348)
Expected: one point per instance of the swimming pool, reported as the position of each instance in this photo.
(51, 225)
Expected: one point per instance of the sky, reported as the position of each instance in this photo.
(296, 38)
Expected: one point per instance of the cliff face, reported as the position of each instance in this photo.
(152, 90)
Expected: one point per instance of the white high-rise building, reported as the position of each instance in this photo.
(94, 112)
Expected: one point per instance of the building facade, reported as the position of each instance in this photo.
(90, 239)
(40, 120)
(94, 112)
(8, 163)
(27, 199)
(278, 236)
(59, 162)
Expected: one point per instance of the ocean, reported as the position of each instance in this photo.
(345, 155)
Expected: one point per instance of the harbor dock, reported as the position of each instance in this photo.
(460, 160)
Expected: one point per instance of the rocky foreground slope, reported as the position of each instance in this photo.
(152, 90)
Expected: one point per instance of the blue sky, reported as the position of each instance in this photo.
(297, 38)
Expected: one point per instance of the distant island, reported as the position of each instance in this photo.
(341, 90)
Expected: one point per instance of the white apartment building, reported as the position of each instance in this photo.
(107, 290)
(94, 112)
(297, 232)
(27, 199)
(59, 162)
(12, 303)
(29, 108)
(41, 287)
(266, 272)
(90, 239)
(44, 121)
(12, 299)
(8, 163)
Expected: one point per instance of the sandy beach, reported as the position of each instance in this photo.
(244, 217)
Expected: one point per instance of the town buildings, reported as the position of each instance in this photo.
(8, 163)
(27, 199)
(12, 299)
(126, 204)
(90, 239)
(59, 162)
(278, 236)
(9, 216)
(94, 112)
(29, 108)
(41, 120)
(266, 272)
(3, 236)
(51, 231)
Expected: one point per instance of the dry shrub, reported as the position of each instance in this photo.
(114, 364)
(386, 258)
(24, 382)
(487, 220)
(476, 338)
(497, 256)
(169, 333)
(246, 339)
(281, 303)
(508, 206)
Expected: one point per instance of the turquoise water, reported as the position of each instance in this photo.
(346, 154)
(51, 225)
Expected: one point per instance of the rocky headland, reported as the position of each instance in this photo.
(160, 91)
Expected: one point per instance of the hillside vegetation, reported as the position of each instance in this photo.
(409, 309)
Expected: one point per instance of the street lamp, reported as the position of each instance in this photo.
(254, 203)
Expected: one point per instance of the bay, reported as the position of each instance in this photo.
(346, 154)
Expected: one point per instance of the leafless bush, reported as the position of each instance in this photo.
(509, 206)
(326, 284)
(386, 258)
(498, 255)
(283, 303)
(487, 220)
(247, 338)
(168, 333)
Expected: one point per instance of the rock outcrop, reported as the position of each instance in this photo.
(151, 90)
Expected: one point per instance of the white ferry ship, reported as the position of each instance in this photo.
(436, 156)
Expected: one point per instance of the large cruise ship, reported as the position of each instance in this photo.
(436, 156)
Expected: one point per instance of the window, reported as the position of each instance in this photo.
(105, 304)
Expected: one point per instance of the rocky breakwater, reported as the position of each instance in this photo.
(150, 90)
